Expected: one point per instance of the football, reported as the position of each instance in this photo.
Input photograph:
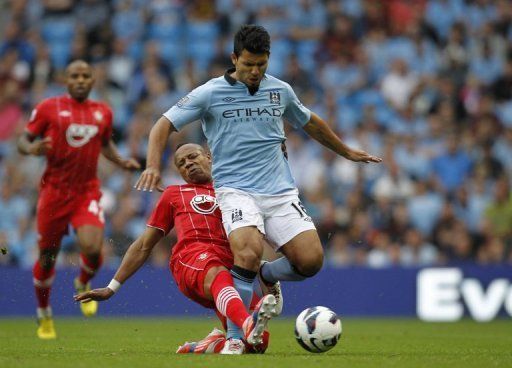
(317, 329)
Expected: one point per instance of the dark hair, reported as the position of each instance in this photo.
(252, 38)
(179, 145)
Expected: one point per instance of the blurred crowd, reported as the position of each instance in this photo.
(427, 85)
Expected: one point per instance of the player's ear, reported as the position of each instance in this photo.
(234, 58)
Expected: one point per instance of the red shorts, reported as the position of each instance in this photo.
(189, 269)
(56, 210)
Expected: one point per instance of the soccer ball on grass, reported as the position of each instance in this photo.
(317, 329)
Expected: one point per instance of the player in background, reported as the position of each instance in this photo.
(71, 131)
(201, 258)
(242, 115)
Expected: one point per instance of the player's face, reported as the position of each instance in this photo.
(79, 80)
(193, 164)
(250, 68)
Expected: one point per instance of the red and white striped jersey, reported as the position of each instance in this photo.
(193, 210)
(78, 131)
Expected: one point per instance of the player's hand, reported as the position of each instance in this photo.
(41, 146)
(96, 294)
(130, 164)
(149, 179)
(357, 155)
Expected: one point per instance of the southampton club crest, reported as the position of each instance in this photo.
(275, 97)
(78, 135)
(204, 204)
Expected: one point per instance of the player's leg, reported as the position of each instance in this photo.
(43, 276)
(303, 259)
(246, 245)
(203, 276)
(52, 220)
(291, 230)
(243, 223)
(261, 287)
(219, 287)
(88, 222)
(90, 240)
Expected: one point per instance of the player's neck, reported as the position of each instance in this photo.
(77, 100)
(206, 183)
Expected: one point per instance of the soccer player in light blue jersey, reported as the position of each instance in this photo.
(242, 115)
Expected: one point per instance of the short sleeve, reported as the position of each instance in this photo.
(38, 121)
(162, 217)
(190, 108)
(296, 113)
(107, 134)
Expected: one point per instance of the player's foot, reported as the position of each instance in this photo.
(46, 330)
(255, 324)
(211, 344)
(233, 347)
(273, 289)
(88, 309)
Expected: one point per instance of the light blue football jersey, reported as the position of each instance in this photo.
(244, 131)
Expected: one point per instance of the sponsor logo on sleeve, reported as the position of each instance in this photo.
(183, 101)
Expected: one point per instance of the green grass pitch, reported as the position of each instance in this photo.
(129, 342)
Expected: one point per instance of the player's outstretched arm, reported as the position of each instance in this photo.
(158, 137)
(29, 145)
(109, 150)
(321, 132)
(134, 258)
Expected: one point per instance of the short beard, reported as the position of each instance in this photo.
(253, 89)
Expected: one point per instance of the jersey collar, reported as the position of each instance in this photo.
(229, 78)
(232, 81)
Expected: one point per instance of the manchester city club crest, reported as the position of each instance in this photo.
(275, 97)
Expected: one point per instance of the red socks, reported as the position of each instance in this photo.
(227, 299)
(89, 267)
(43, 280)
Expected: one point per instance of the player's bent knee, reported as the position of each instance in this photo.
(90, 250)
(247, 258)
(309, 266)
(47, 259)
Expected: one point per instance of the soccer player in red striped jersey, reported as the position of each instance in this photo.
(71, 131)
(201, 258)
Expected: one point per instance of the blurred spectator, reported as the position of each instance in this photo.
(498, 215)
(383, 252)
(453, 167)
(399, 84)
(455, 54)
(393, 184)
(424, 208)
(502, 87)
(416, 251)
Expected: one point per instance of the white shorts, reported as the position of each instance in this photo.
(279, 217)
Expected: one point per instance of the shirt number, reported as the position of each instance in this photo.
(96, 209)
(300, 209)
